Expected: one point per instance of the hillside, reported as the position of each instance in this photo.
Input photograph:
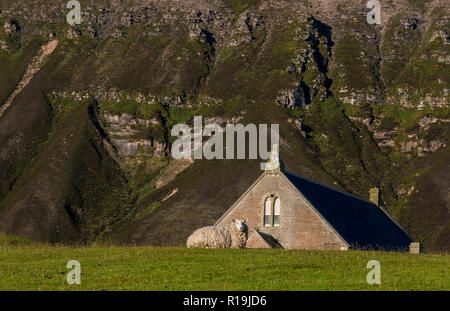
(85, 144)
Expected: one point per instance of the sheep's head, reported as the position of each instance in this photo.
(240, 224)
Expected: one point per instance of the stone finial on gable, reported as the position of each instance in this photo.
(274, 165)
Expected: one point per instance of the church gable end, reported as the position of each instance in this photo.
(291, 220)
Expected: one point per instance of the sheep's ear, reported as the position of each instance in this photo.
(245, 220)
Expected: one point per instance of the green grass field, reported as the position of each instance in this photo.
(145, 268)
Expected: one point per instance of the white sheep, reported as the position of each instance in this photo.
(233, 236)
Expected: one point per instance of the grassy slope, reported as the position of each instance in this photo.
(432, 223)
(61, 186)
(139, 268)
(13, 65)
(78, 184)
(23, 127)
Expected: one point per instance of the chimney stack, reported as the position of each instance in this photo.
(415, 248)
(375, 196)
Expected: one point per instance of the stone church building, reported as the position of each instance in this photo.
(289, 211)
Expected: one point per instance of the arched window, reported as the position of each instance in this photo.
(267, 212)
(272, 211)
(276, 212)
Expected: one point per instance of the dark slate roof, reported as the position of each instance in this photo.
(361, 223)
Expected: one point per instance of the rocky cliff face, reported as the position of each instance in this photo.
(358, 105)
